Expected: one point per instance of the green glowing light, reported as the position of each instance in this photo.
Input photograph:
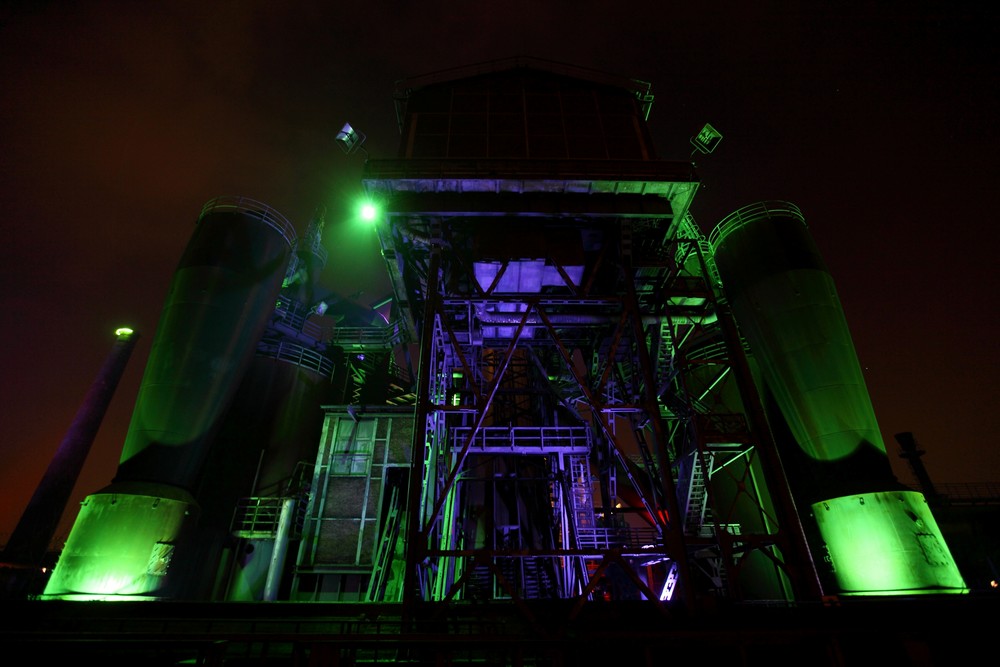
(123, 331)
(368, 212)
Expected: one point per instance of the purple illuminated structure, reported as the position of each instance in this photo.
(546, 261)
(584, 448)
(585, 421)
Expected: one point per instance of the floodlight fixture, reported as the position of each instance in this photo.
(368, 211)
(352, 140)
(706, 140)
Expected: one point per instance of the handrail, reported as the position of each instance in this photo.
(581, 175)
(525, 439)
(296, 354)
(382, 337)
(317, 248)
(268, 215)
(295, 316)
(688, 230)
(749, 214)
(972, 492)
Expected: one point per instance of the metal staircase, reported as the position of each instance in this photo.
(386, 550)
(581, 494)
(696, 504)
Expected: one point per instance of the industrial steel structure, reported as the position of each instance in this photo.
(575, 395)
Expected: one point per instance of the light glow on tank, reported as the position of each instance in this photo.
(787, 306)
(124, 331)
(886, 543)
(122, 544)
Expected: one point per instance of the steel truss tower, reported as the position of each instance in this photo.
(587, 424)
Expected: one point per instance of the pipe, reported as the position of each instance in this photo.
(277, 567)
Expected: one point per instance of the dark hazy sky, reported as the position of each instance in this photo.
(119, 120)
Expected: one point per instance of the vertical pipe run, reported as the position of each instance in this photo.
(274, 572)
(415, 549)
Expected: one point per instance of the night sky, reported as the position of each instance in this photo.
(120, 120)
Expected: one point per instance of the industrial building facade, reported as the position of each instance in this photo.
(575, 394)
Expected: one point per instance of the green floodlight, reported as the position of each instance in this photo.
(368, 212)
(122, 332)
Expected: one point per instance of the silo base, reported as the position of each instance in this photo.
(886, 543)
(122, 544)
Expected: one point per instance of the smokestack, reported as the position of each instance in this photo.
(40, 520)
(908, 444)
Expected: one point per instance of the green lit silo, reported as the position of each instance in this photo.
(219, 301)
(127, 535)
(880, 537)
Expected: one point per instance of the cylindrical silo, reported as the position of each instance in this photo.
(218, 304)
(787, 308)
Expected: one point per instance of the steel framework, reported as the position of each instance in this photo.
(587, 423)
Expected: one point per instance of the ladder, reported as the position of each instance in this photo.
(581, 493)
(697, 496)
(664, 369)
(386, 550)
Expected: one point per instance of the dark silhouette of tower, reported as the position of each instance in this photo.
(912, 455)
(32, 536)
